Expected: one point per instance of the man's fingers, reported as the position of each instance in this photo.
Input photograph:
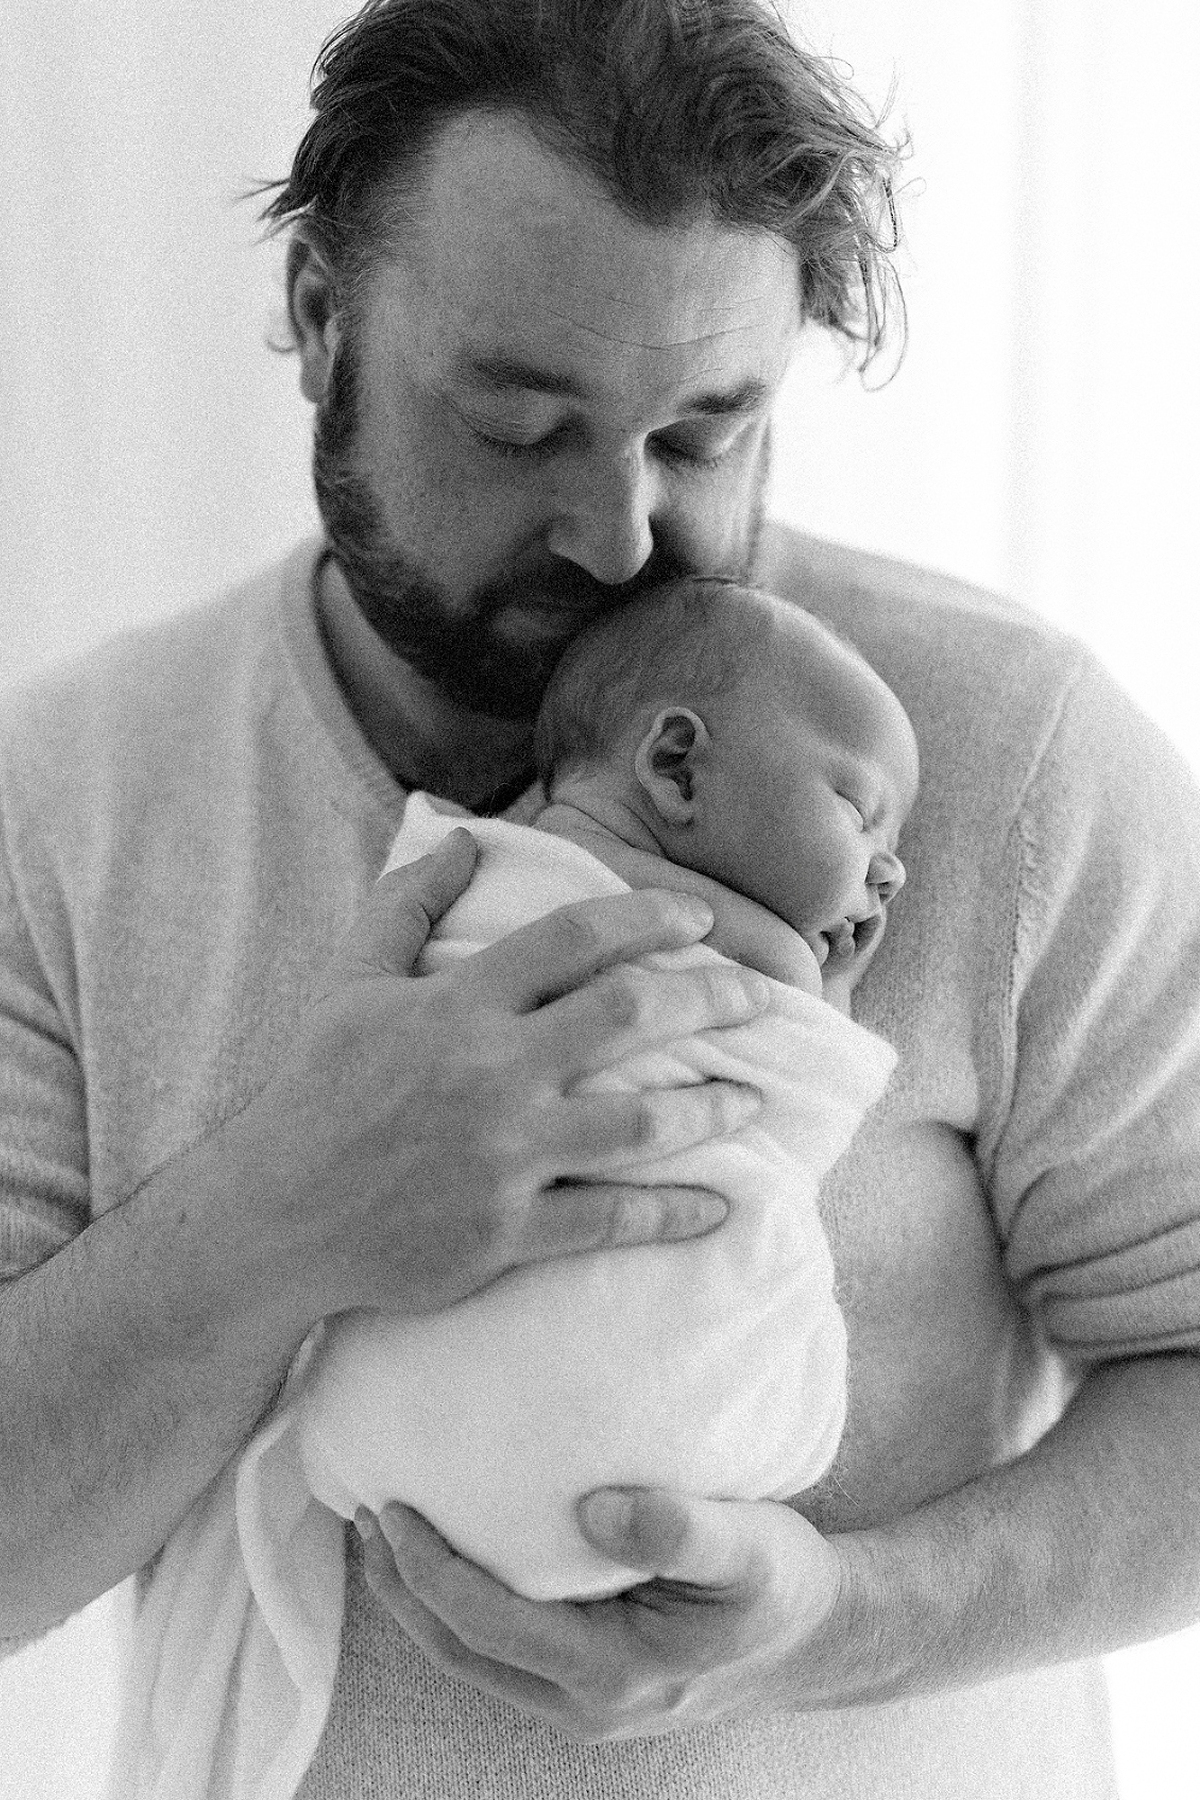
(575, 1219)
(597, 1134)
(626, 1010)
(565, 948)
(704, 1543)
(392, 924)
(757, 1558)
(487, 1619)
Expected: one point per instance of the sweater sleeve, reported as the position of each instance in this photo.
(1095, 1172)
(43, 1139)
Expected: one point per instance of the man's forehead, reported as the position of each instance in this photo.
(505, 234)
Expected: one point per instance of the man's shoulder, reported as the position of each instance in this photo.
(161, 724)
(975, 670)
(139, 695)
(897, 611)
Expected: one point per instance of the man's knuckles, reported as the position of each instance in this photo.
(578, 938)
(624, 1224)
(654, 1006)
(499, 1119)
(621, 1000)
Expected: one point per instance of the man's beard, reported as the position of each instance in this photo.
(460, 649)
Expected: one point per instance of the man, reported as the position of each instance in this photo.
(549, 262)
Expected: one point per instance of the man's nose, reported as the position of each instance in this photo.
(604, 522)
(886, 873)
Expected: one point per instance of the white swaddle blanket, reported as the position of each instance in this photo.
(717, 1366)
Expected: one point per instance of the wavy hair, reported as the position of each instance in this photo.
(680, 109)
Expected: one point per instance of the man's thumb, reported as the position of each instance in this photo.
(664, 1533)
(393, 923)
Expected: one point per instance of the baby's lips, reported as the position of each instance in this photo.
(867, 931)
(841, 941)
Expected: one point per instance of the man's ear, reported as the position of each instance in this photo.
(666, 763)
(312, 310)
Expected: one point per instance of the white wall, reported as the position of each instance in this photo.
(151, 447)
(1040, 436)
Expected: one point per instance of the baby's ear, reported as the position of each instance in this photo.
(665, 763)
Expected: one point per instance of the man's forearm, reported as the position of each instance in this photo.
(134, 1363)
(1089, 1542)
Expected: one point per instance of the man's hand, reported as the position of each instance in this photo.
(425, 1134)
(421, 1136)
(729, 1621)
(1087, 1542)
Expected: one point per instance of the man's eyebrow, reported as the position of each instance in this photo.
(502, 373)
(747, 397)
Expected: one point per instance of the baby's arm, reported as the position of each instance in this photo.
(742, 930)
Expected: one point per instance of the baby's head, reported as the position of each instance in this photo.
(741, 737)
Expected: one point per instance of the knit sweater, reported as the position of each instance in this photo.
(188, 819)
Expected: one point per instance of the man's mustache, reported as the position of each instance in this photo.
(566, 584)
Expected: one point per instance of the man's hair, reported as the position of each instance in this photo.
(680, 109)
(690, 640)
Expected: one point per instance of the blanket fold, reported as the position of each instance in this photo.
(716, 1366)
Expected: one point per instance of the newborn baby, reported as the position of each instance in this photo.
(737, 737)
(708, 738)
(705, 737)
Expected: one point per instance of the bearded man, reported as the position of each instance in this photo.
(549, 261)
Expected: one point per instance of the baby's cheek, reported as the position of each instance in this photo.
(785, 956)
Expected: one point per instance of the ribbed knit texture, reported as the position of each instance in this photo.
(187, 820)
(1041, 1737)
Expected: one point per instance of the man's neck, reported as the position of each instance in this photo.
(421, 736)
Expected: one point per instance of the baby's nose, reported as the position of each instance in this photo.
(886, 873)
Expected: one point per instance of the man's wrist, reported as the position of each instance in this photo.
(262, 1287)
(1087, 1542)
(862, 1654)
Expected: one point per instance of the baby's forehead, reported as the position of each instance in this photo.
(817, 677)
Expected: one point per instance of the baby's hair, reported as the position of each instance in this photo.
(692, 639)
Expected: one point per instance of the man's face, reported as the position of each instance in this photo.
(540, 408)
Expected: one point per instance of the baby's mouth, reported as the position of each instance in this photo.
(851, 937)
(867, 930)
(839, 942)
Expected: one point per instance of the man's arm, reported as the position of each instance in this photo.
(1089, 1541)
(406, 1152)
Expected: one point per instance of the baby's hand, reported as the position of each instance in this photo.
(847, 952)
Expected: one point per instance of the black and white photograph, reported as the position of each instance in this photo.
(599, 901)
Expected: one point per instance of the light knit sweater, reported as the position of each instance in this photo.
(188, 819)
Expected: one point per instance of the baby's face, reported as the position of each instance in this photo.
(803, 802)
